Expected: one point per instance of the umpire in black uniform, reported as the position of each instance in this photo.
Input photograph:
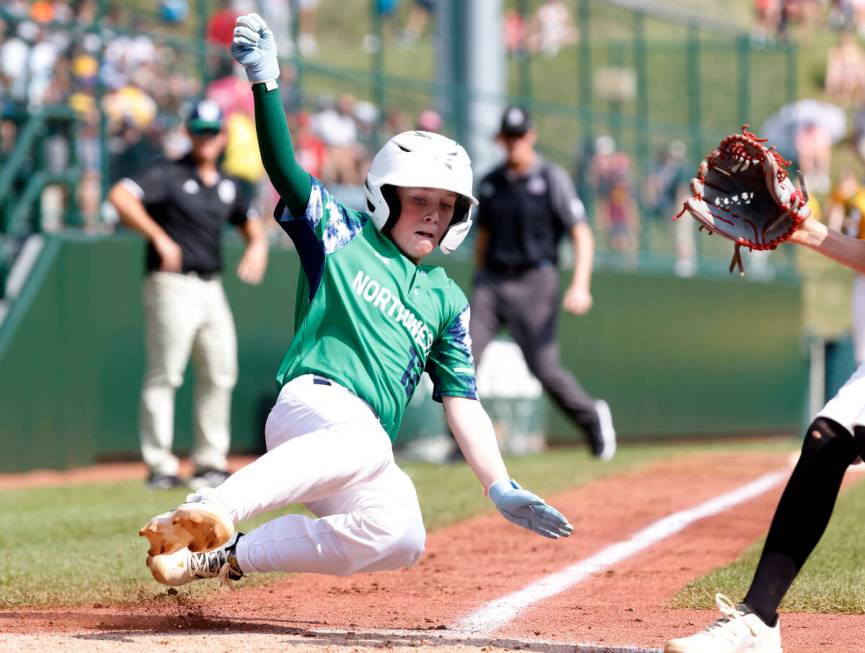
(181, 208)
(526, 206)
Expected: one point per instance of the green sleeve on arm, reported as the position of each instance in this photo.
(277, 153)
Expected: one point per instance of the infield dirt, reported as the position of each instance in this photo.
(619, 609)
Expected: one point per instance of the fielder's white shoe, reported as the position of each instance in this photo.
(184, 566)
(201, 524)
(736, 631)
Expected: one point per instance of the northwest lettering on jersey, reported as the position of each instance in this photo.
(388, 302)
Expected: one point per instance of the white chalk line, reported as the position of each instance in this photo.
(498, 613)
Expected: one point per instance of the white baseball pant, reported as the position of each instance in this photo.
(847, 407)
(327, 450)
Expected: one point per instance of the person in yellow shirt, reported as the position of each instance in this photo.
(242, 158)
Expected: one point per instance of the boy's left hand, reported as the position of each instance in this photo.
(528, 510)
(254, 48)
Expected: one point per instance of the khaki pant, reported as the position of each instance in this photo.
(187, 315)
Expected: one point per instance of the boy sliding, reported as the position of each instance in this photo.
(370, 318)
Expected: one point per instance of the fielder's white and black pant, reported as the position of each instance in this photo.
(187, 316)
(527, 303)
(328, 451)
(833, 441)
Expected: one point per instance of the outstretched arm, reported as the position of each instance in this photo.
(847, 251)
(254, 48)
(277, 153)
(476, 438)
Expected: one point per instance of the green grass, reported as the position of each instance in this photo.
(832, 580)
(77, 544)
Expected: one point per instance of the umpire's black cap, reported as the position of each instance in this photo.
(516, 121)
(205, 116)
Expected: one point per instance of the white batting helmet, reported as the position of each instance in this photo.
(423, 160)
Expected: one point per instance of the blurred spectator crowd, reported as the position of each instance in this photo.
(60, 52)
(129, 83)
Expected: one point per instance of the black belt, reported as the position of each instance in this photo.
(320, 380)
(204, 276)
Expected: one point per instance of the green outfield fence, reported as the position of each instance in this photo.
(639, 73)
(669, 362)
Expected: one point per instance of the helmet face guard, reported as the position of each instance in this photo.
(421, 160)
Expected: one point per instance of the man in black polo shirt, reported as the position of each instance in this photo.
(526, 206)
(181, 208)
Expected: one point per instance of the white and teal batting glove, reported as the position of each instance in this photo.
(254, 48)
(528, 510)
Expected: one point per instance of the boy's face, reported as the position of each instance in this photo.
(425, 215)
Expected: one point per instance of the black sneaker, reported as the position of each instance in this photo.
(158, 481)
(207, 477)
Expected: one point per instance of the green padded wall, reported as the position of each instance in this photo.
(672, 356)
(690, 356)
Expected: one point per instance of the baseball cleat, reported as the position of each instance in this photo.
(199, 525)
(184, 566)
(604, 444)
(737, 631)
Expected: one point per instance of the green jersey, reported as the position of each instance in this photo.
(369, 318)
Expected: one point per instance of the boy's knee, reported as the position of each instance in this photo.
(400, 540)
(403, 544)
(409, 547)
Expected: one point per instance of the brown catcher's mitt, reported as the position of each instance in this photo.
(742, 191)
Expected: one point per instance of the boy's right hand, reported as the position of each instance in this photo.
(528, 510)
(254, 48)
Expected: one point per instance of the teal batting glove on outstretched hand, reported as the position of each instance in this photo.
(528, 510)
(253, 48)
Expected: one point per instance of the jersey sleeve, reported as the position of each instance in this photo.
(450, 364)
(568, 207)
(325, 227)
(327, 220)
(150, 186)
(289, 179)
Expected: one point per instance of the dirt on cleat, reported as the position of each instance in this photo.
(190, 526)
(207, 530)
(164, 535)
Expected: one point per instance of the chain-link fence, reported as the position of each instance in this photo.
(626, 98)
